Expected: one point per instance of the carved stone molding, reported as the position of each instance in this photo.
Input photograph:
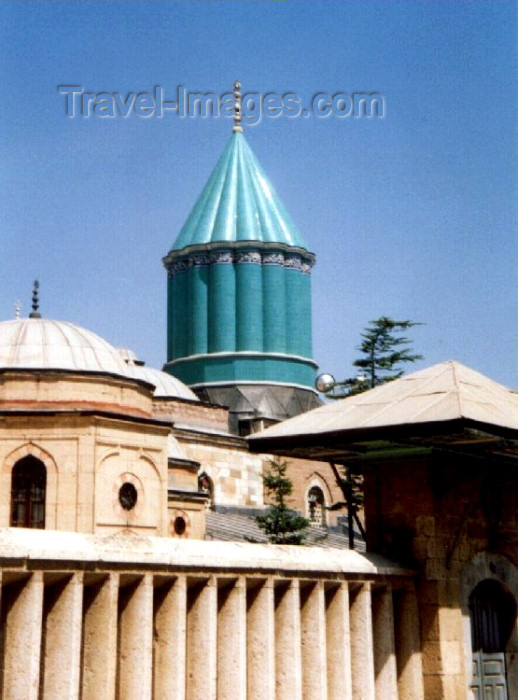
(230, 256)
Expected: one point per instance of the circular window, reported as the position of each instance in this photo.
(180, 525)
(128, 496)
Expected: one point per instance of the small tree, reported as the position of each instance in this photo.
(281, 524)
(384, 352)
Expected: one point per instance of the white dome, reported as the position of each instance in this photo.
(39, 343)
(166, 386)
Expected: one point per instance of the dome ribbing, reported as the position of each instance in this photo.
(238, 203)
(239, 292)
(38, 343)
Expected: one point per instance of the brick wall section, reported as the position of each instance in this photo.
(193, 413)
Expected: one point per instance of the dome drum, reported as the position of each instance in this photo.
(55, 390)
(246, 300)
(247, 367)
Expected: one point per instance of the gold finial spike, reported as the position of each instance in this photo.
(17, 309)
(35, 313)
(237, 107)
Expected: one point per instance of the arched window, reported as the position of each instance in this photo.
(206, 485)
(28, 486)
(316, 511)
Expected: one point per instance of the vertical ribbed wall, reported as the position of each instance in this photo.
(298, 313)
(274, 313)
(229, 307)
(222, 308)
(249, 307)
(200, 636)
(237, 300)
(198, 310)
(178, 314)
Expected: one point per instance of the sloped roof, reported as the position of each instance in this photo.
(238, 203)
(442, 394)
(166, 386)
(236, 527)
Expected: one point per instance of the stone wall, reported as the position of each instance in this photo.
(438, 512)
(87, 459)
(139, 618)
(305, 474)
(234, 471)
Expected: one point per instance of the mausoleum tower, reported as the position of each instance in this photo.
(239, 296)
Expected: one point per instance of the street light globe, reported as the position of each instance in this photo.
(324, 382)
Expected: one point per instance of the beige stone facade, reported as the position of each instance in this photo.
(201, 432)
(89, 449)
(95, 432)
(461, 531)
(307, 475)
(123, 616)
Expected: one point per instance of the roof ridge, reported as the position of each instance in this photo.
(444, 392)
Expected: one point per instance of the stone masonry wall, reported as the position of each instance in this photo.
(437, 512)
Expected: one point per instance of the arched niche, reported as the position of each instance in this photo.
(122, 476)
(489, 601)
(316, 499)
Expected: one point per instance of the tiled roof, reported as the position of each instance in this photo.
(238, 203)
(232, 527)
(443, 393)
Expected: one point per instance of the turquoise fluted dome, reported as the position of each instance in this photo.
(239, 293)
(238, 203)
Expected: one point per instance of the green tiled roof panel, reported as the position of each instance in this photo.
(238, 204)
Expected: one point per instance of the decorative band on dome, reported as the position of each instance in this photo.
(199, 260)
(273, 258)
(247, 256)
(230, 256)
(221, 257)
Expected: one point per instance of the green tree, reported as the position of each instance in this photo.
(384, 353)
(385, 350)
(281, 524)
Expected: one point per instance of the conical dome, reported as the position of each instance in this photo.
(238, 203)
(239, 294)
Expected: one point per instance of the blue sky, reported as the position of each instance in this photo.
(411, 216)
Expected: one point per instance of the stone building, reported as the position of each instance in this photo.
(239, 334)
(111, 472)
(102, 607)
(438, 450)
(92, 422)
